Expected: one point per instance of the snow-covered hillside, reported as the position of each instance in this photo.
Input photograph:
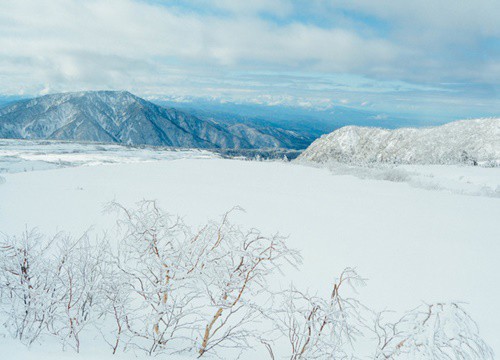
(411, 244)
(460, 142)
(121, 117)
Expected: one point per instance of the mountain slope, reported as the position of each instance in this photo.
(120, 117)
(285, 132)
(466, 141)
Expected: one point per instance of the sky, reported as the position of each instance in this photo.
(429, 59)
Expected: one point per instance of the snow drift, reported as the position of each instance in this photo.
(461, 142)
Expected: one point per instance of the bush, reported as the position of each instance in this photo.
(166, 288)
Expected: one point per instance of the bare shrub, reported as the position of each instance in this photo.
(321, 328)
(80, 269)
(29, 294)
(436, 331)
(49, 286)
(166, 288)
(194, 289)
(153, 302)
(234, 268)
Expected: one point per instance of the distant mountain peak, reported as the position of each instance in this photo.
(122, 117)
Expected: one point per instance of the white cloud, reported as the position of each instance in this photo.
(450, 17)
(276, 7)
(59, 45)
(82, 41)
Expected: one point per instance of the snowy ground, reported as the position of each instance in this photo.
(27, 155)
(413, 244)
(457, 179)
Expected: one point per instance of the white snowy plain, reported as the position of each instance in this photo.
(412, 244)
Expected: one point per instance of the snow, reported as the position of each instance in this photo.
(413, 244)
(121, 117)
(465, 141)
(29, 155)
(457, 179)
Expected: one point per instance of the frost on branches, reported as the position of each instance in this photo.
(160, 286)
(436, 331)
(186, 290)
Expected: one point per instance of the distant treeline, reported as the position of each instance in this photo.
(264, 154)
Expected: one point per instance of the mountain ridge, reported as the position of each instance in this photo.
(122, 117)
(458, 142)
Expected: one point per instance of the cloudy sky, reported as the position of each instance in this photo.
(425, 58)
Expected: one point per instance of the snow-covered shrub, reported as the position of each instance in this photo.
(490, 163)
(436, 331)
(28, 284)
(81, 272)
(166, 288)
(394, 175)
(49, 286)
(467, 159)
(153, 292)
(188, 290)
(321, 328)
(234, 266)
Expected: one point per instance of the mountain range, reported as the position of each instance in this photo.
(121, 117)
(306, 120)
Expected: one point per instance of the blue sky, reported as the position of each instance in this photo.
(426, 59)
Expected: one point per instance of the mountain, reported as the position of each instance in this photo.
(308, 121)
(121, 117)
(465, 141)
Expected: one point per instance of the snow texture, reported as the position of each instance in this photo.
(469, 142)
(30, 155)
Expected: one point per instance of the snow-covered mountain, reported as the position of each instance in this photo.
(465, 141)
(121, 117)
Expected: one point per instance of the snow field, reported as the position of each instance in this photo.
(411, 244)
